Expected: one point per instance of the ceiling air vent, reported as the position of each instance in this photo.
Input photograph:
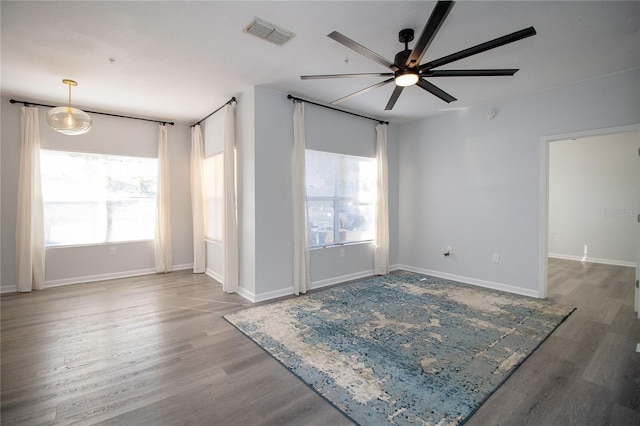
(267, 31)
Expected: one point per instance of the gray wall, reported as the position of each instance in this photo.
(465, 180)
(109, 135)
(477, 183)
(245, 142)
(273, 143)
(593, 198)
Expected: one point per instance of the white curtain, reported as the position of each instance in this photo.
(30, 224)
(162, 241)
(197, 199)
(230, 227)
(301, 275)
(381, 258)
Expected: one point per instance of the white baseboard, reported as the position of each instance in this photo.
(99, 277)
(182, 267)
(216, 276)
(250, 296)
(262, 297)
(473, 281)
(341, 279)
(8, 289)
(593, 260)
(313, 286)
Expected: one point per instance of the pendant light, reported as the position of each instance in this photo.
(69, 120)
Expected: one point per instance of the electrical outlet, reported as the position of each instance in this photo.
(342, 252)
(556, 237)
(496, 258)
(112, 251)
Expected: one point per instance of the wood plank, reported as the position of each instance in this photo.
(155, 350)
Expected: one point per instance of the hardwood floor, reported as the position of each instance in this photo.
(588, 371)
(155, 350)
(146, 350)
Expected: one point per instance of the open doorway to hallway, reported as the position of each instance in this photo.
(590, 200)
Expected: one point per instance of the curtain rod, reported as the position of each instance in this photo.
(336, 109)
(229, 102)
(27, 103)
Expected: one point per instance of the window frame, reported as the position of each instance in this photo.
(336, 200)
(108, 199)
(212, 188)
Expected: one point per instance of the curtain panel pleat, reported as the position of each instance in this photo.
(197, 199)
(301, 273)
(230, 227)
(381, 256)
(30, 220)
(162, 242)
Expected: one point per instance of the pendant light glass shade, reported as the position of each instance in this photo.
(69, 120)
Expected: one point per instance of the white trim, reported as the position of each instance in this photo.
(98, 277)
(182, 267)
(338, 280)
(102, 243)
(213, 274)
(593, 260)
(543, 235)
(8, 289)
(262, 297)
(474, 281)
(543, 249)
(270, 295)
(252, 297)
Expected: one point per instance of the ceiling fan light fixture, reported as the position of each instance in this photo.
(406, 77)
(69, 120)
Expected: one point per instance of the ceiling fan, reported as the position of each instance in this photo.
(406, 67)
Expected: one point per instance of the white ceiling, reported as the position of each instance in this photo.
(181, 60)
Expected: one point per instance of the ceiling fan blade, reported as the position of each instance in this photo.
(436, 91)
(394, 97)
(346, 41)
(360, 92)
(470, 73)
(371, 74)
(483, 47)
(429, 32)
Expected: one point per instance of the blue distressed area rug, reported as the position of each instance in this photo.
(403, 348)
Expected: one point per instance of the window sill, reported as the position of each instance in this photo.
(330, 246)
(112, 243)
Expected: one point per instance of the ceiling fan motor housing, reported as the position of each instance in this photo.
(406, 35)
(401, 58)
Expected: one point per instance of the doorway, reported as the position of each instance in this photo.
(595, 222)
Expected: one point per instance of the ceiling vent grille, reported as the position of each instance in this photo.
(267, 31)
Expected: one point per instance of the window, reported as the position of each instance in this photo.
(341, 193)
(214, 199)
(97, 198)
